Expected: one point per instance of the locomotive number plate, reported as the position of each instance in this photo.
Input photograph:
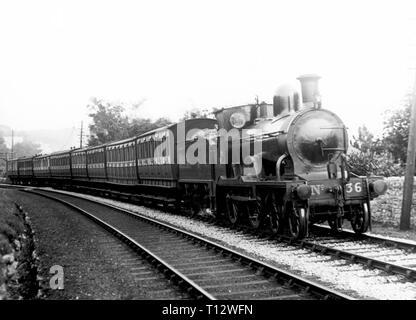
(323, 189)
(354, 188)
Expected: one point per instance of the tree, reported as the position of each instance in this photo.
(111, 124)
(139, 126)
(365, 140)
(3, 152)
(396, 131)
(3, 147)
(196, 113)
(26, 148)
(370, 157)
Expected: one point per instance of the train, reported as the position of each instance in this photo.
(281, 166)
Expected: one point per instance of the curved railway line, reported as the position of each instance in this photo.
(390, 255)
(393, 256)
(201, 268)
(367, 251)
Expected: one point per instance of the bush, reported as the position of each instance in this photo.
(366, 163)
(7, 231)
(5, 246)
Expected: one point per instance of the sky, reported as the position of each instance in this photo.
(179, 55)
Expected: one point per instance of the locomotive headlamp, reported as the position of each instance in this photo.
(238, 120)
(379, 187)
(303, 191)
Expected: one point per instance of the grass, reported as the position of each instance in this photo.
(11, 226)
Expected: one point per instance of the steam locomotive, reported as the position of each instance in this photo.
(281, 166)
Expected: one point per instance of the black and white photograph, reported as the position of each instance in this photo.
(208, 156)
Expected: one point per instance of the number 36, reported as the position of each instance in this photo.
(353, 187)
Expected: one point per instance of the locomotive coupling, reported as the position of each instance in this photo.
(303, 191)
(379, 187)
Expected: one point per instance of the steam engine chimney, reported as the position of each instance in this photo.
(310, 91)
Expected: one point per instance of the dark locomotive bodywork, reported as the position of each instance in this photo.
(280, 165)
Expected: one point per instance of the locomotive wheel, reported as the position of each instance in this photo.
(233, 214)
(361, 219)
(275, 212)
(298, 223)
(254, 215)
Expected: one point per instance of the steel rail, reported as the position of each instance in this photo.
(308, 286)
(353, 257)
(396, 243)
(169, 271)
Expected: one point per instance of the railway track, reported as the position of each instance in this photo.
(394, 257)
(371, 251)
(201, 268)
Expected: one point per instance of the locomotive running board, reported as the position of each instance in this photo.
(243, 199)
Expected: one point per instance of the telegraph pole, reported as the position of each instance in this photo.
(81, 135)
(12, 144)
(410, 168)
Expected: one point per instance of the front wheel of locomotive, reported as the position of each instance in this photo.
(233, 214)
(298, 222)
(360, 219)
